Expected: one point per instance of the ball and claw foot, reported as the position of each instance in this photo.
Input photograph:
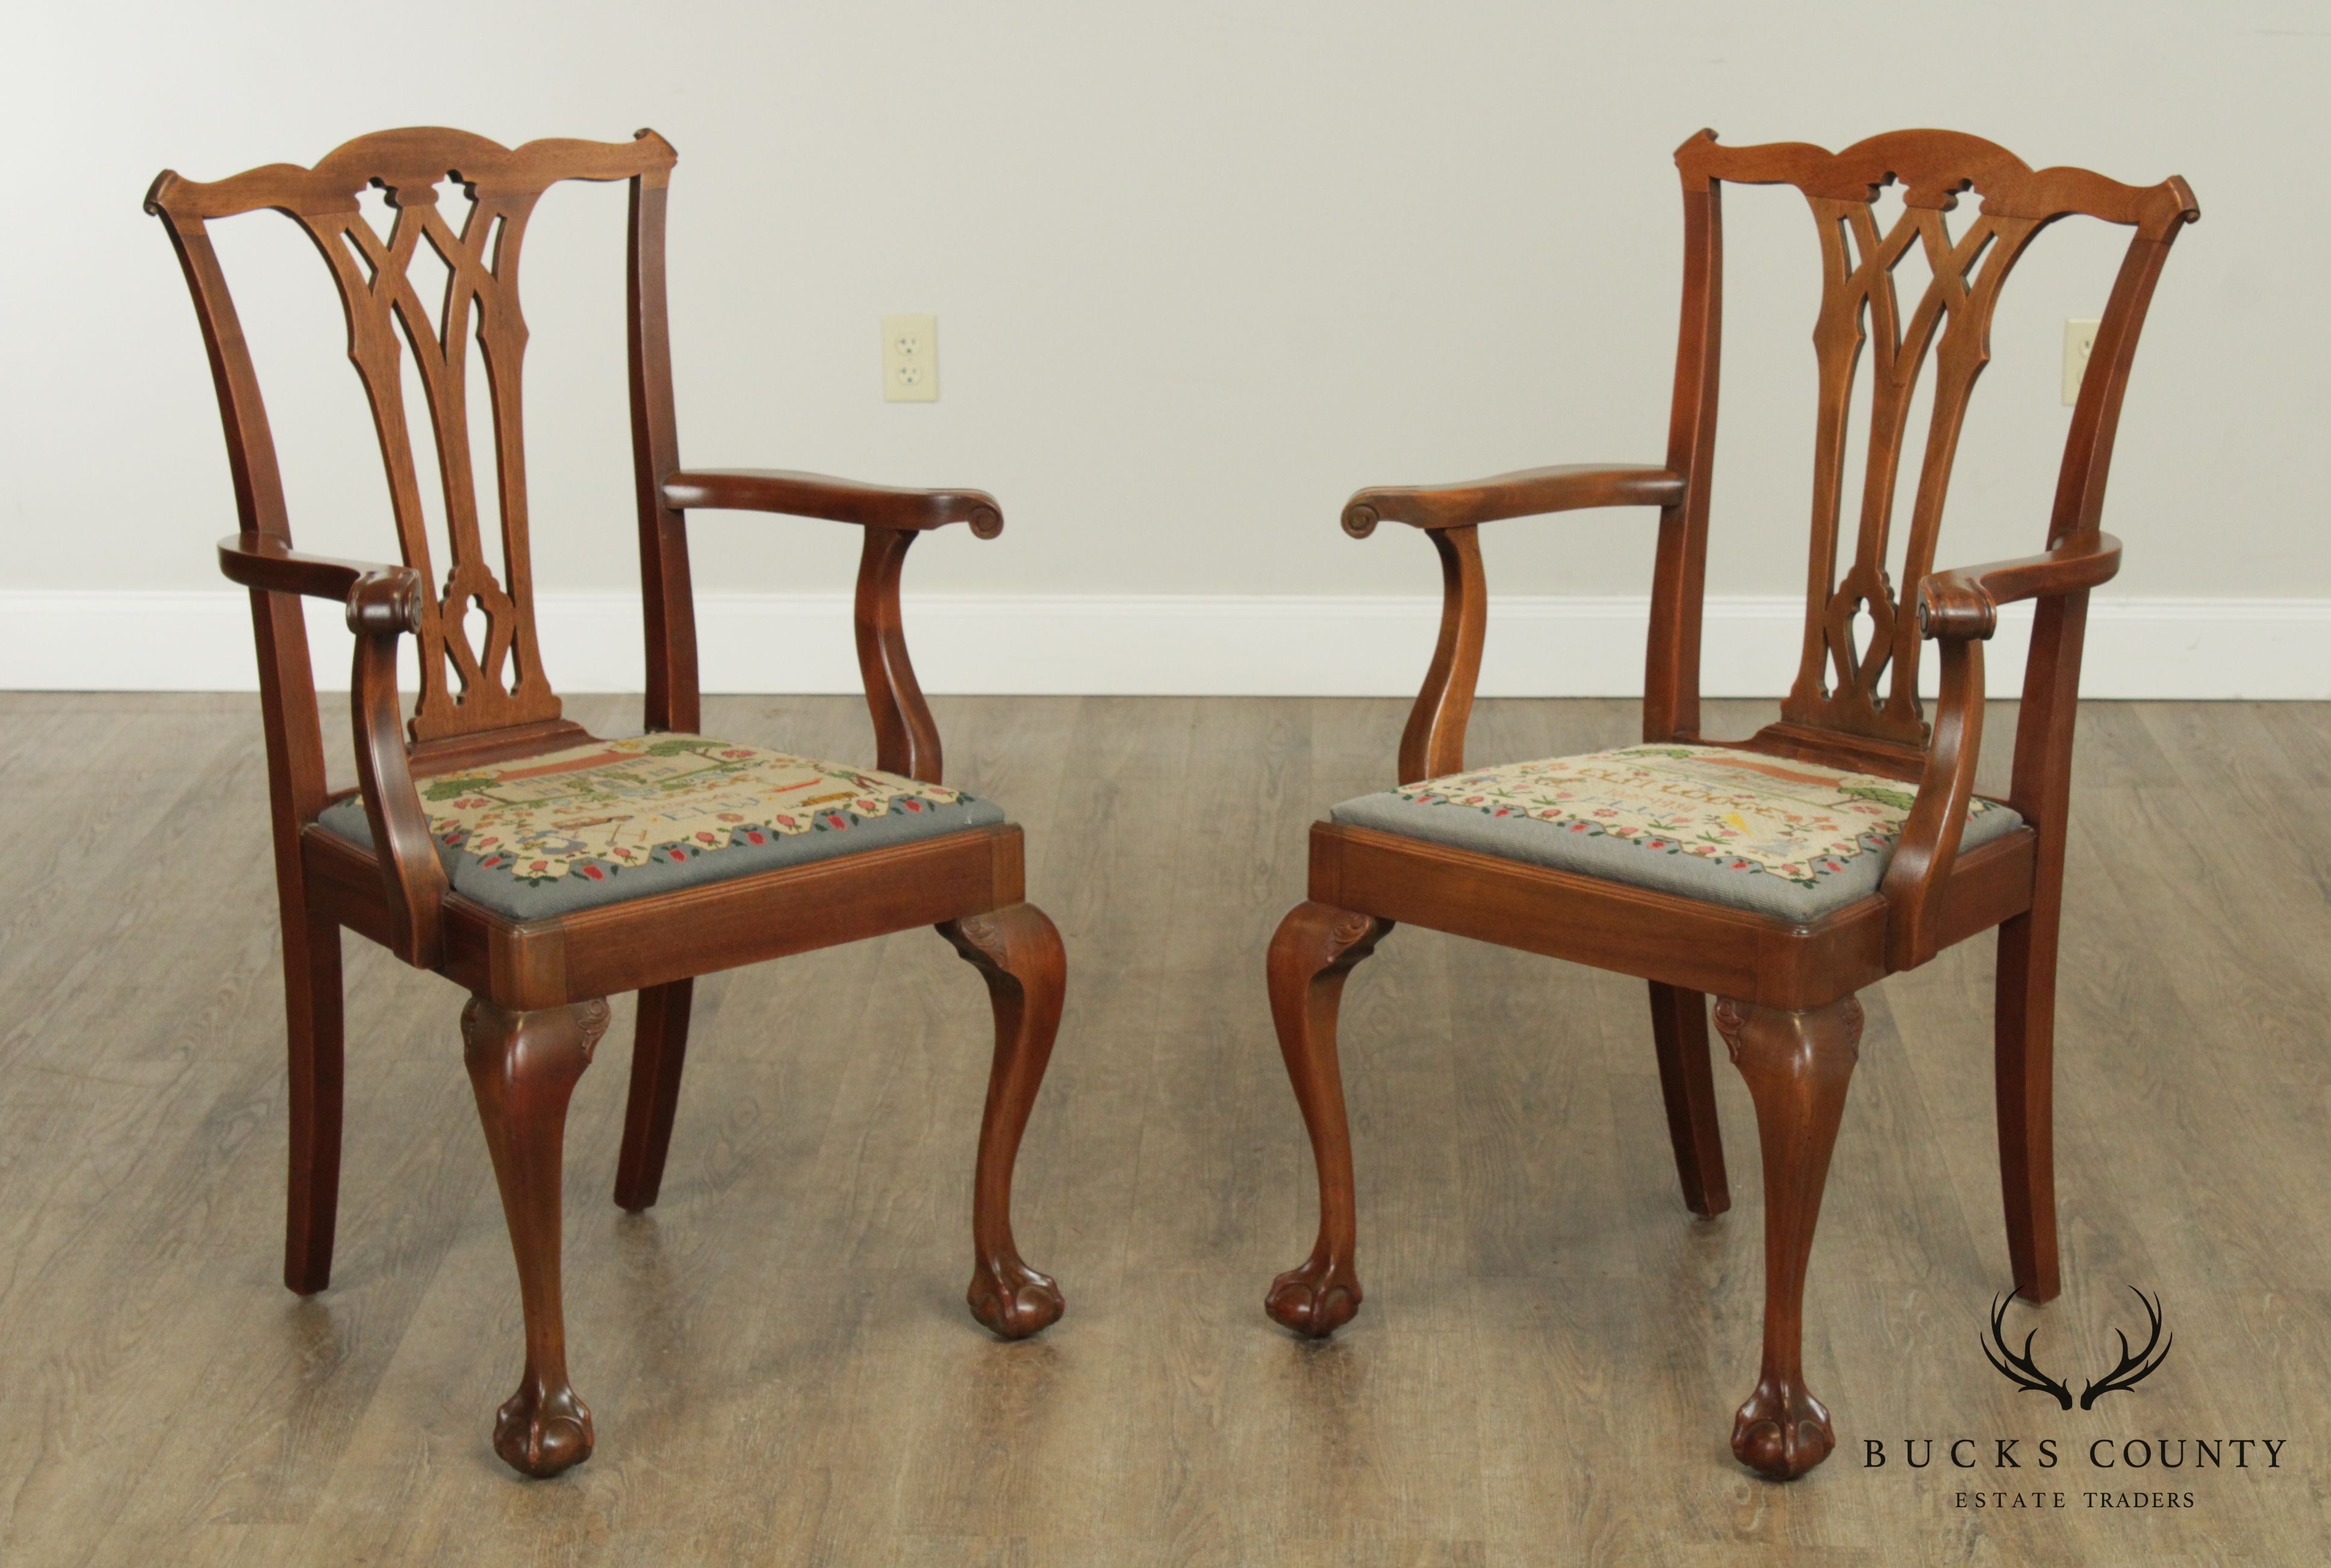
(1782, 1432)
(1315, 1300)
(1012, 1300)
(541, 1432)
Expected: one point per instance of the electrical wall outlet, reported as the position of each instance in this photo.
(2079, 337)
(911, 359)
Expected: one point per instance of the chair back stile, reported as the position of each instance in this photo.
(471, 690)
(1853, 705)
(667, 594)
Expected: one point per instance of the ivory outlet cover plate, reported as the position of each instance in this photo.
(911, 359)
(2079, 337)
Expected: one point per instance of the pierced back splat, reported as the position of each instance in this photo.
(480, 667)
(377, 290)
(1842, 686)
(1837, 683)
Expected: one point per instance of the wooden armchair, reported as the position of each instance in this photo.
(539, 868)
(1785, 873)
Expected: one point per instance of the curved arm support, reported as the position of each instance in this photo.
(808, 495)
(1921, 867)
(1527, 492)
(1433, 744)
(906, 736)
(384, 606)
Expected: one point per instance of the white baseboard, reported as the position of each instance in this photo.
(1161, 644)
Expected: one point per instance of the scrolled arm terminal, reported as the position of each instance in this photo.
(1965, 603)
(385, 601)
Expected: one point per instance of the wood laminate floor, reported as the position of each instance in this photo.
(779, 1354)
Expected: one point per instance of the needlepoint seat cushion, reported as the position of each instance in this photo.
(1767, 834)
(623, 818)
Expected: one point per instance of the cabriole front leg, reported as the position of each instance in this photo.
(1797, 1065)
(1019, 954)
(523, 1066)
(1316, 947)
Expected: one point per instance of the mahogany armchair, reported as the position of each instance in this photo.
(541, 869)
(1785, 873)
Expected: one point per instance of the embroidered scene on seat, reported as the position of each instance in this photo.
(557, 830)
(1761, 832)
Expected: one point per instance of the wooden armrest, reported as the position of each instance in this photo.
(384, 604)
(805, 494)
(1433, 744)
(1527, 492)
(1960, 611)
(1965, 602)
(265, 562)
(906, 736)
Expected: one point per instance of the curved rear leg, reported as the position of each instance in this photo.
(1317, 945)
(2025, 1033)
(1019, 954)
(1679, 1029)
(1797, 1065)
(313, 1040)
(659, 1051)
